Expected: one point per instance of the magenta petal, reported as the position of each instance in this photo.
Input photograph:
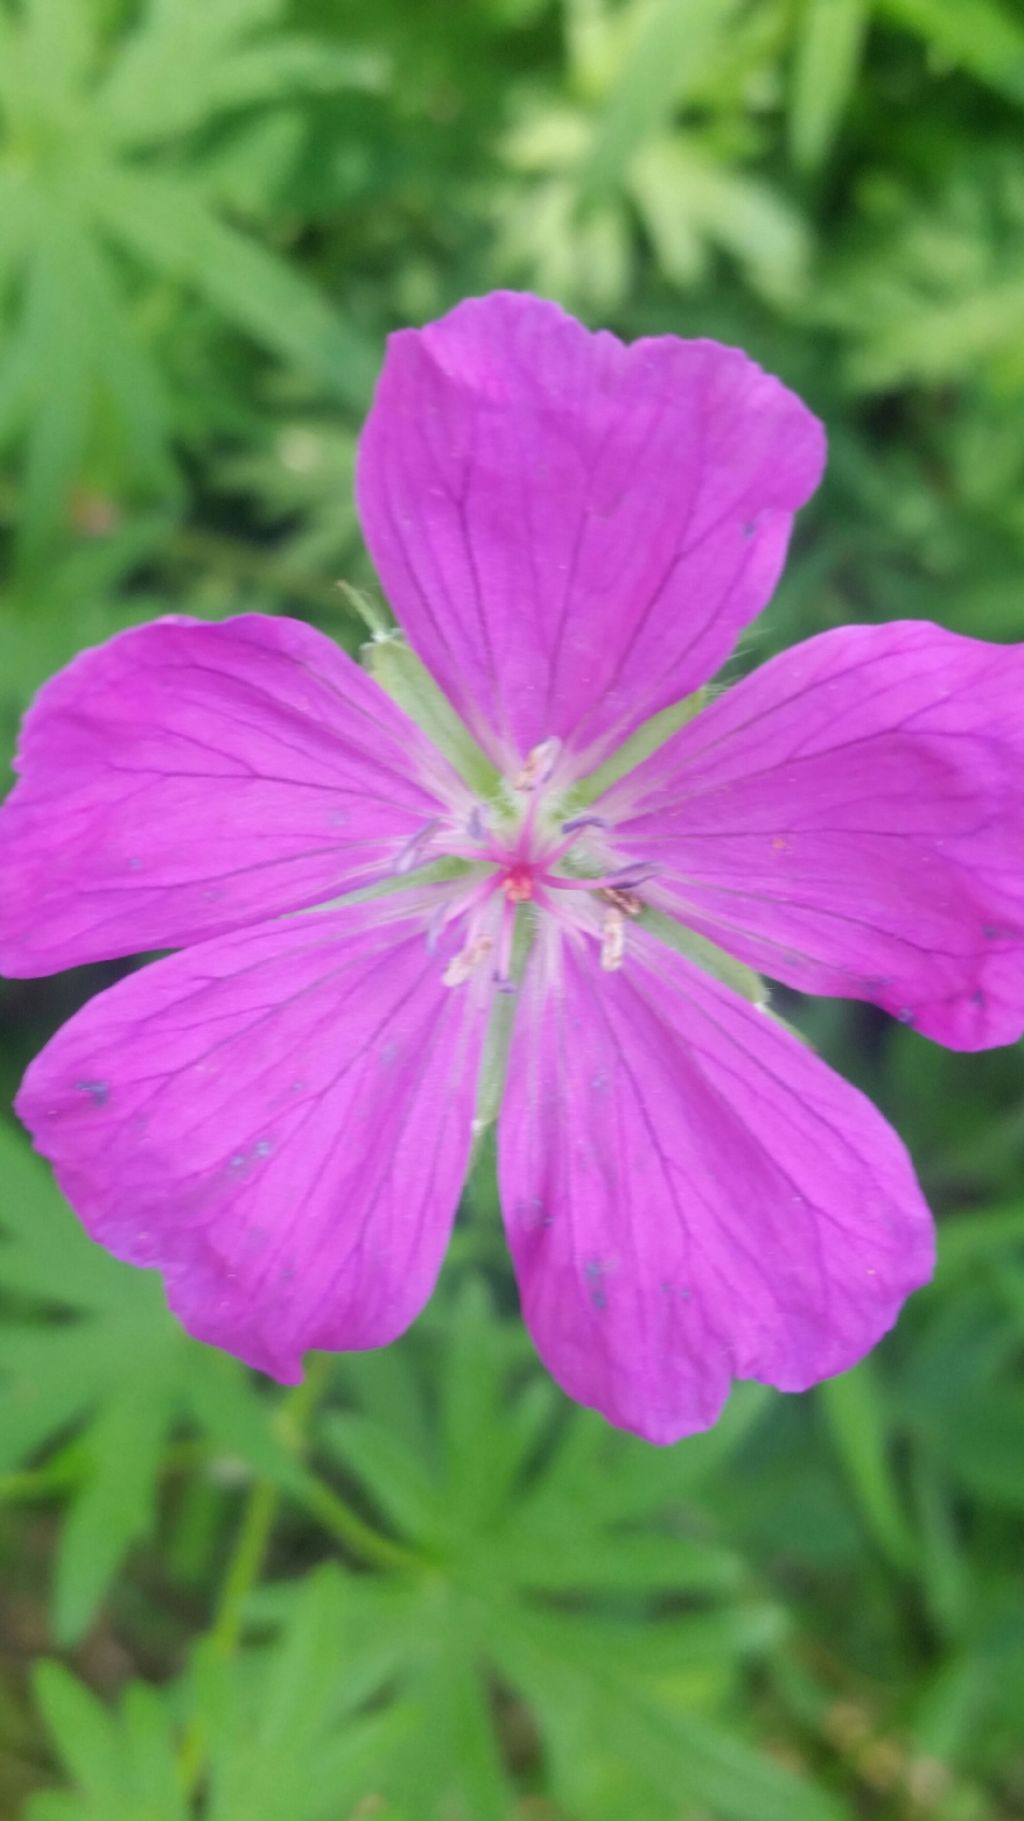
(573, 532)
(280, 1121)
(691, 1197)
(185, 778)
(850, 819)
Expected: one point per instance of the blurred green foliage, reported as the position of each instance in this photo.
(422, 1588)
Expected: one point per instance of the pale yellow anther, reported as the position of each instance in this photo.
(613, 940)
(539, 762)
(468, 959)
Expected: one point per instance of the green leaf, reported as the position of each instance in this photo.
(45, 1253)
(163, 221)
(59, 45)
(826, 64)
(395, 1481)
(923, 341)
(51, 1377)
(671, 53)
(481, 1452)
(82, 1731)
(984, 37)
(151, 1759)
(268, 1768)
(970, 1239)
(979, 1443)
(239, 1419)
(59, 342)
(288, 1738)
(140, 107)
(946, 1569)
(551, 1559)
(617, 1733)
(44, 1806)
(116, 1505)
(856, 1418)
(463, 1697)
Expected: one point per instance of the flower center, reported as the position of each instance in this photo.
(518, 883)
(523, 841)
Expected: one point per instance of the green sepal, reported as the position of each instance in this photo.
(638, 747)
(498, 1041)
(707, 956)
(408, 682)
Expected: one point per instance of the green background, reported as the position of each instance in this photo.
(424, 1588)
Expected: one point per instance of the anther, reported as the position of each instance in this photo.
(613, 940)
(410, 855)
(625, 901)
(631, 877)
(466, 962)
(576, 822)
(540, 763)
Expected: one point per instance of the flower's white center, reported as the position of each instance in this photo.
(519, 851)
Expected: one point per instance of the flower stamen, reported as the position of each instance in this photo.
(410, 856)
(621, 900)
(613, 940)
(466, 962)
(539, 764)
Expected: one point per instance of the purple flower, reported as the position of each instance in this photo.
(573, 534)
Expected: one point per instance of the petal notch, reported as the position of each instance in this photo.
(573, 532)
(691, 1197)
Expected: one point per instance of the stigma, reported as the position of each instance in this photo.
(521, 842)
(518, 885)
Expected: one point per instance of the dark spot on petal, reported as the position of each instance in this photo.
(978, 997)
(749, 527)
(531, 1214)
(263, 1149)
(905, 1015)
(594, 1270)
(96, 1091)
(135, 863)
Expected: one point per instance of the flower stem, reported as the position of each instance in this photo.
(356, 1536)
